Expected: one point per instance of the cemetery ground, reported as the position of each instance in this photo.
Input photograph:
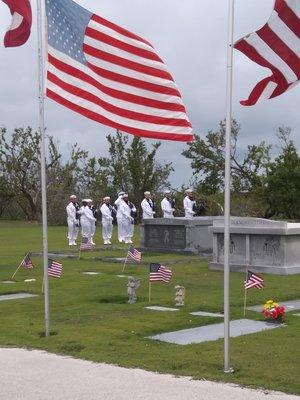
(91, 320)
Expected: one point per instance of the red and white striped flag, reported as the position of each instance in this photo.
(54, 268)
(275, 46)
(19, 30)
(253, 281)
(110, 75)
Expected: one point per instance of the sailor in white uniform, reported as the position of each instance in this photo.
(189, 204)
(73, 222)
(127, 210)
(147, 206)
(167, 205)
(107, 219)
(119, 217)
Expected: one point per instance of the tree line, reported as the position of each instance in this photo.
(262, 185)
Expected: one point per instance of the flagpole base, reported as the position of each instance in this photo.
(229, 371)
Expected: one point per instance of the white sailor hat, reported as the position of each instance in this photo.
(167, 191)
(106, 198)
(125, 195)
(121, 193)
(147, 193)
(73, 196)
(89, 200)
(189, 190)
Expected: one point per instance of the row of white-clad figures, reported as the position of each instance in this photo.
(84, 216)
(168, 205)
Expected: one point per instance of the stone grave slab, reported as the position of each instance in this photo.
(158, 308)
(207, 314)
(8, 282)
(16, 296)
(30, 280)
(122, 276)
(291, 305)
(213, 332)
(92, 273)
(297, 315)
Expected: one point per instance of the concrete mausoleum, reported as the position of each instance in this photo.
(261, 245)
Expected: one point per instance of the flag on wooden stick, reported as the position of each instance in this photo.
(134, 254)
(26, 262)
(85, 244)
(253, 281)
(159, 273)
(54, 268)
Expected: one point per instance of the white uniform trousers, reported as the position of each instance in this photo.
(72, 230)
(107, 228)
(120, 223)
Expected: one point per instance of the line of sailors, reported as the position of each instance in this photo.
(123, 210)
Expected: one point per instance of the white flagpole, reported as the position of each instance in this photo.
(41, 71)
(227, 367)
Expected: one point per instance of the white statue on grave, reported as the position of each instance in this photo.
(179, 295)
(132, 286)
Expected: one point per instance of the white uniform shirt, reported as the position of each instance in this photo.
(125, 210)
(71, 211)
(117, 204)
(106, 212)
(87, 214)
(188, 207)
(147, 208)
(167, 208)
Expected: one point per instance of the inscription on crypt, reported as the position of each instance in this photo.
(165, 237)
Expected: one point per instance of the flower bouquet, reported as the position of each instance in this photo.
(272, 311)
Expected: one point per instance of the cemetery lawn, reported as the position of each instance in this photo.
(91, 320)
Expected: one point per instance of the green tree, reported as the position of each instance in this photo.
(208, 161)
(131, 166)
(283, 180)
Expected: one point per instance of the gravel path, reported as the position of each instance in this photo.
(37, 375)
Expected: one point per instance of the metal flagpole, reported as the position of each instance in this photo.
(41, 71)
(227, 367)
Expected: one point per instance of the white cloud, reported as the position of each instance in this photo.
(190, 36)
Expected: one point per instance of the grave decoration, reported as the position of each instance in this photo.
(179, 295)
(273, 311)
(132, 286)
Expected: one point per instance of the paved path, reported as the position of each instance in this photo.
(36, 375)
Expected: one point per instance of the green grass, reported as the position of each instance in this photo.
(90, 318)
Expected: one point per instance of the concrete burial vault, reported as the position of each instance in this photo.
(213, 332)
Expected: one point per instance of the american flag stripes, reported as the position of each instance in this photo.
(159, 273)
(110, 75)
(26, 262)
(275, 46)
(85, 244)
(19, 30)
(134, 254)
(253, 281)
(54, 268)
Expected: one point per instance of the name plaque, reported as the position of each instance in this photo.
(165, 237)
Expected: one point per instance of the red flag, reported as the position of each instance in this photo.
(275, 46)
(110, 75)
(19, 30)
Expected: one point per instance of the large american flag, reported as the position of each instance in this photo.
(54, 268)
(19, 30)
(110, 75)
(159, 273)
(275, 46)
(253, 281)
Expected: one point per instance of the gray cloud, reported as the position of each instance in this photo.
(191, 37)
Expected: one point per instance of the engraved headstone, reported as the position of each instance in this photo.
(177, 234)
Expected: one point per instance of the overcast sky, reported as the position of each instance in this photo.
(190, 36)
